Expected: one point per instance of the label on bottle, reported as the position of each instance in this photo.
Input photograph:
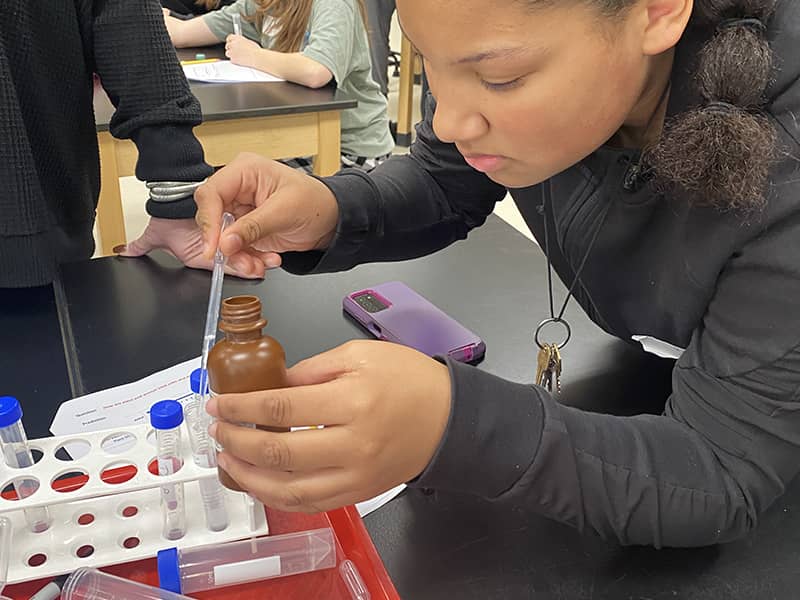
(247, 570)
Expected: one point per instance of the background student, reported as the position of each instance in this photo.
(310, 42)
(49, 161)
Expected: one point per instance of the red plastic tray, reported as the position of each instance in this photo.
(353, 540)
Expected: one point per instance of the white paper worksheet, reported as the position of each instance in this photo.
(224, 71)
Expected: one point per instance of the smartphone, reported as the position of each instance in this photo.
(393, 311)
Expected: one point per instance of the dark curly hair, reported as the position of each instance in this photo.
(720, 153)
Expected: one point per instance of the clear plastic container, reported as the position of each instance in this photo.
(18, 455)
(6, 535)
(166, 418)
(205, 455)
(191, 570)
(91, 584)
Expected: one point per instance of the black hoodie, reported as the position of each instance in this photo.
(723, 289)
(49, 162)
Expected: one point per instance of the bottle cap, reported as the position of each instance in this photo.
(166, 414)
(10, 411)
(169, 574)
(194, 381)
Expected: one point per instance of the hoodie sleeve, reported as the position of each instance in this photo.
(723, 451)
(140, 72)
(407, 207)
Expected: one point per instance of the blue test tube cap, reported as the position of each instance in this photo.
(10, 411)
(169, 574)
(166, 414)
(194, 380)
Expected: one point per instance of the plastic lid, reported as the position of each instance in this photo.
(194, 381)
(166, 414)
(169, 574)
(10, 411)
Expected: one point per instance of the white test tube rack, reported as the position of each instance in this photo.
(105, 523)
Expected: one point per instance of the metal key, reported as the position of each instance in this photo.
(543, 360)
(555, 361)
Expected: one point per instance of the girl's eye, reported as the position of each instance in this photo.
(502, 86)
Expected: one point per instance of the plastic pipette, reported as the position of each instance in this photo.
(212, 315)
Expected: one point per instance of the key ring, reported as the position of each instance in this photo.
(547, 322)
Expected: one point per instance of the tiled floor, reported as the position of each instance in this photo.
(134, 192)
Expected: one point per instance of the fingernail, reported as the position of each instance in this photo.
(222, 461)
(236, 241)
(272, 262)
(119, 249)
(212, 430)
(211, 406)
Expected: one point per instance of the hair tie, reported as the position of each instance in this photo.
(720, 107)
(756, 25)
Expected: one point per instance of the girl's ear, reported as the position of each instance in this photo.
(664, 22)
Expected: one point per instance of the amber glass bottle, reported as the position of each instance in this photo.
(246, 360)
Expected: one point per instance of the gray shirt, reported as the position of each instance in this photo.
(337, 39)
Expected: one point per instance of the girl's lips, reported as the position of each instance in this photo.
(485, 163)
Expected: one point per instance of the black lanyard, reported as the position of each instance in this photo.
(547, 200)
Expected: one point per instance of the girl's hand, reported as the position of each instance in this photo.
(385, 408)
(242, 51)
(277, 209)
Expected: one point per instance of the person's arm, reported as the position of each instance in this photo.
(325, 57)
(291, 66)
(725, 448)
(139, 71)
(407, 207)
(219, 23)
(186, 33)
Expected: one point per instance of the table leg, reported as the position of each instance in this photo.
(110, 219)
(406, 96)
(327, 161)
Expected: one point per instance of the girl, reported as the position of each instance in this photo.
(310, 42)
(652, 147)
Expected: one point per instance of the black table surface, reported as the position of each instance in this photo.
(126, 318)
(33, 366)
(220, 101)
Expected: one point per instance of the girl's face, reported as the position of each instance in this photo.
(526, 93)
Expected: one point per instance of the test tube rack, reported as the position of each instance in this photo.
(105, 505)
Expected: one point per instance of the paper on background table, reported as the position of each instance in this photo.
(129, 404)
(224, 71)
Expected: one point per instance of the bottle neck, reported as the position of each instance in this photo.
(243, 336)
(241, 319)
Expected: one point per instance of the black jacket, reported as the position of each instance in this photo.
(726, 290)
(49, 165)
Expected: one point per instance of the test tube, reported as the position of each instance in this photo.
(6, 534)
(91, 584)
(18, 455)
(166, 418)
(190, 570)
(211, 490)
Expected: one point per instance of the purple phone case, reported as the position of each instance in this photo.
(413, 321)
